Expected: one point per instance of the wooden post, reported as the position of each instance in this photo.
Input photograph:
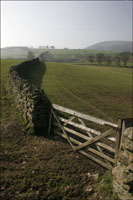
(118, 138)
(50, 121)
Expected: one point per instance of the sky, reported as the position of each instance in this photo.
(64, 24)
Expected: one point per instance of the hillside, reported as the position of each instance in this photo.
(114, 46)
(14, 52)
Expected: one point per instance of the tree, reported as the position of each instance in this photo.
(91, 58)
(125, 57)
(52, 47)
(30, 55)
(100, 58)
(45, 56)
(117, 60)
(109, 59)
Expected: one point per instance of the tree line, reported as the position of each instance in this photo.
(100, 58)
(108, 59)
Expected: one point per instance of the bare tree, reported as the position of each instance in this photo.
(125, 57)
(52, 47)
(109, 59)
(117, 60)
(30, 55)
(91, 58)
(45, 56)
(100, 58)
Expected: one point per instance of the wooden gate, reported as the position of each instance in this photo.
(99, 146)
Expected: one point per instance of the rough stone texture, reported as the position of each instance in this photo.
(123, 172)
(30, 100)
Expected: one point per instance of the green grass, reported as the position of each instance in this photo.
(105, 186)
(104, 92)
(8, 108)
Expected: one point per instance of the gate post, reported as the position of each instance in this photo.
(123, 171)
(118, 139)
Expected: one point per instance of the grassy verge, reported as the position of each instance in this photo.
(8, 108)
(105, 186)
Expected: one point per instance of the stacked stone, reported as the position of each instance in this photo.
(123, 172)
(30, 100)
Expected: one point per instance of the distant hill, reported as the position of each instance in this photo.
(14, 52)
(114, 46)
(16, 48)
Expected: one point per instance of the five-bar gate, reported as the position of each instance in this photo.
(99, 146)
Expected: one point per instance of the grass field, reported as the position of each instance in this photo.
(103, 92)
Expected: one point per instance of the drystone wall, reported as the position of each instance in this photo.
(123, 172)
(30, 99)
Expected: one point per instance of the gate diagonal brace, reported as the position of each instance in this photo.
(73, 147)
(81, 121)
(98, 148)
(105, 134)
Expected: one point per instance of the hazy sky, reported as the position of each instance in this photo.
(72, 24)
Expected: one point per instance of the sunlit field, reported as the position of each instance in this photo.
(104, 92)
(100, 91)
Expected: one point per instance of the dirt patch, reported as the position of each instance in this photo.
(40, 168)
